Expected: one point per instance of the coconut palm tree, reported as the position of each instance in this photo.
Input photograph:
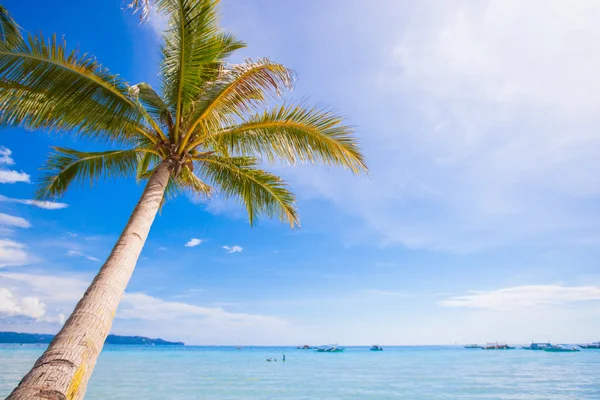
(210, 127)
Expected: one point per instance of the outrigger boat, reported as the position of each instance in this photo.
(330, 349)
(376, 347)
(561, 349)
(305, 347)
(538, 346)
(473, 346)
(497, 346)
(594, 345)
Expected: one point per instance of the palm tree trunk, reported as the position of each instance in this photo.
(63, 371)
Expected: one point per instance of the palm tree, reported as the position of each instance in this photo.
(210, 127)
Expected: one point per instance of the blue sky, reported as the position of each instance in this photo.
(480, 220)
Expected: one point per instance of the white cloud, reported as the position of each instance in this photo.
(5, 156)
(12, 253)
(50, 288)
(193, 242)
(143, 314)
(48, 205)
(27, 306)
(142, 306)
(496, 144)
(162, 248)
(9, 220)
(75, 253)
(524, 297)
(233, 249)
(9, 176)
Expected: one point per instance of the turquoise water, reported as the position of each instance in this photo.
(415, 373)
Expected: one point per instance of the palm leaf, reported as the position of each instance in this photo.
(46, 86)
(141, 6)
(66, 166)
(237, 91)
(194, 47)
(295, 134)
(146, 165)
(193, 183)
(153, 103)
(10, 32)
(262, 193)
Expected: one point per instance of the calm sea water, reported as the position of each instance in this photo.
(415, 373)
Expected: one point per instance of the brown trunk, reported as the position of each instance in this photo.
(63, 371)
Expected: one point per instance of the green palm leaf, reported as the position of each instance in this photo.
(46, 86)
(260, 192)
(66, 166)
(296, 134)
(10, 32)
(194, 48)
(153, 103)
(237, 91)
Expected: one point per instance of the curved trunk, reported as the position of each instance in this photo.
(63, 371)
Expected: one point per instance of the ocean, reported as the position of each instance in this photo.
(412, 373)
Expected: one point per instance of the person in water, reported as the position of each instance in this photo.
(284, 357)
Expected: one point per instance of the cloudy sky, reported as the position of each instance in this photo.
(480, 220)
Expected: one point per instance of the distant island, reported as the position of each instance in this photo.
(15, 337)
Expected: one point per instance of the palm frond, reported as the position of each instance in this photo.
(194, 48)
(46, 86)
(10, 32)
(153, 103)
(260, 192)
(141, 6)
(66, 166)
(146, 164)
(295, 134)
(194, 183)
(236, 92)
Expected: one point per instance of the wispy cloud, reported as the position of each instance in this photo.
(148, 314)
(379, 292)
(13, 253)
(162, 248)
(75, 253)
(60, 289)
(145, 307)
(193, 242)
(10, 220)
(494, 151)
(6, 175)
(48, 205)
(233, 249)
(523, 297)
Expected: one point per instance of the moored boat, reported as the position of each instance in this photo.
(330, 349)
(376, 347)
(538, 346)
(497, 346)
(473, 346)
(305, 347)
(593, 345)
(561, 349)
